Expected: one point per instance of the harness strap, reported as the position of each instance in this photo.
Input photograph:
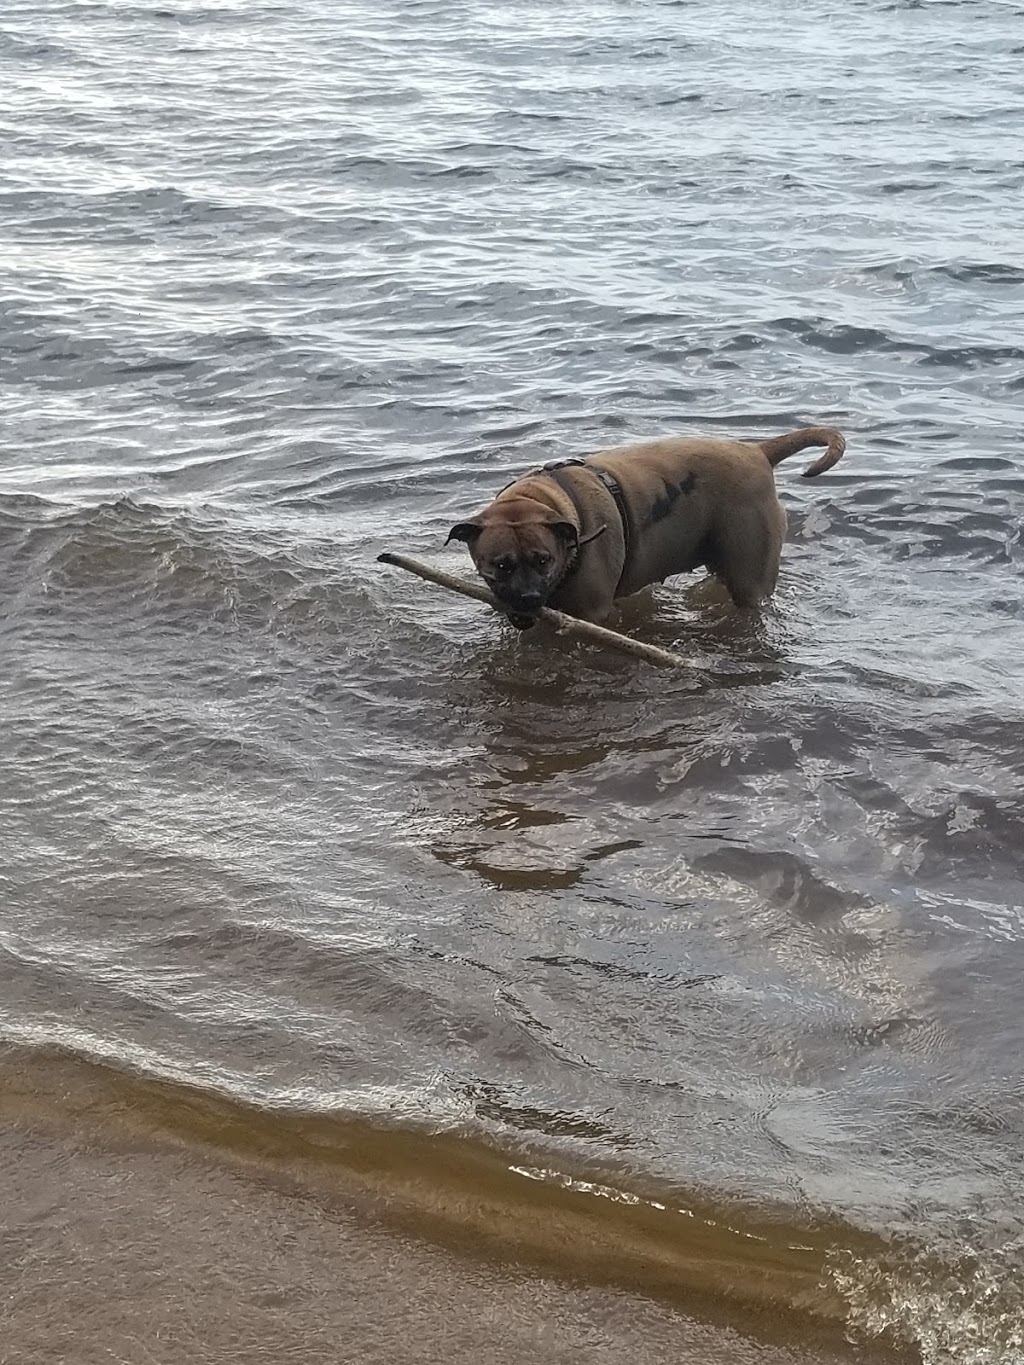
(610, 482)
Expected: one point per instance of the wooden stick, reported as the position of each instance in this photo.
(571, 625)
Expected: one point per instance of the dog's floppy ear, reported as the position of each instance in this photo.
(465, 530)
(568, 534)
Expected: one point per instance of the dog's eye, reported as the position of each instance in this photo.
(541, 561)
(504, 567)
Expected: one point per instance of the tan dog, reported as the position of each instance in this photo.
(578, 533)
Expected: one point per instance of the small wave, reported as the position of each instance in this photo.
(130, 560)
(970, 357)
(35, 49)
(949, 525)
(141, 205)
(920, 274)
(959, 1306)
(842, 339)
(982, 272)
(668, 1243)
(129, 14)
(963, 1308)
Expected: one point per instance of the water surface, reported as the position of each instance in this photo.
(701, 987)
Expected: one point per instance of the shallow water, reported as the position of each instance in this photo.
(714, 978)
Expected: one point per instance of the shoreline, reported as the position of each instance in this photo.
(110, 1220)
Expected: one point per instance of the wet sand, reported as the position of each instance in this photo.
(152, 1254)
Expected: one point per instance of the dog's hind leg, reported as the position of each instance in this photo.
(747, 550)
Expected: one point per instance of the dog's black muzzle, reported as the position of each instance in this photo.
(520, 607)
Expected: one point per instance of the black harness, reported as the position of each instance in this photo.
(611, 484)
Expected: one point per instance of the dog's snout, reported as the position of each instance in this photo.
(531, 600)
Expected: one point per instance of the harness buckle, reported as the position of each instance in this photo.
(562, 464)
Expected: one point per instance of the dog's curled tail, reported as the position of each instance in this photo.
(781, 446)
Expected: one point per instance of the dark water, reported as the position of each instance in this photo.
(708, 985)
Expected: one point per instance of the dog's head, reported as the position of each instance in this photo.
(521, 551)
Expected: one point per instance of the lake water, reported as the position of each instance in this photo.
(375, 982)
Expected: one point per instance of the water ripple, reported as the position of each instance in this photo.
(282, 287)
